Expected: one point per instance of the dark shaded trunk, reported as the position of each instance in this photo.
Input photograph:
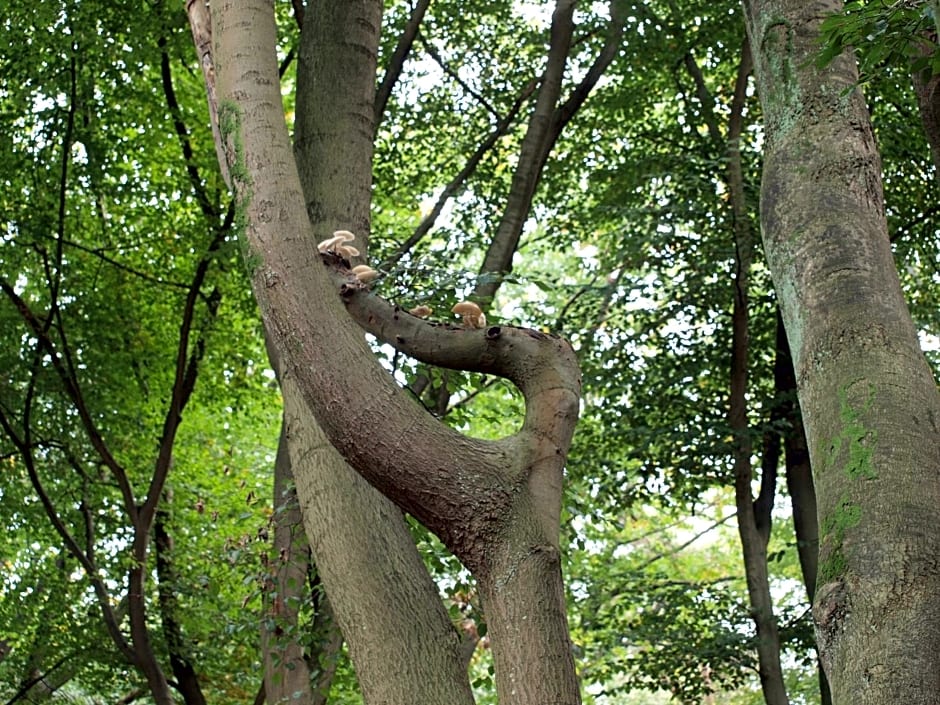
(187, 681)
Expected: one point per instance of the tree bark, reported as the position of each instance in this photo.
(495, 504)
(870, 404)
(286, 673)
(400, 637)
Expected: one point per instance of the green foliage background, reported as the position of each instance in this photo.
(109, 208)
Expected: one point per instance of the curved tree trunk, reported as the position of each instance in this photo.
(400, 637)
(870, 404)
(495, 504)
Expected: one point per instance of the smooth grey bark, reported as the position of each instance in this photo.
(870, 404)
(400, 637)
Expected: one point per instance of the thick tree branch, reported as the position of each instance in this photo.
(545, 127)
(201, 25)
(417, 449)
(531, 154)
(567, 110)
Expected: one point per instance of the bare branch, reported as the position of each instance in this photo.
(70, 383)
(397, 61)
(182, 134)
(455, 184)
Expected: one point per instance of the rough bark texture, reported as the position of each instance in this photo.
(494, 503)
(870, 405)
(401, 641)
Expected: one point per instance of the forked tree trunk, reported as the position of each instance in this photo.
(495, 504)
(400, 637)
(870, 404)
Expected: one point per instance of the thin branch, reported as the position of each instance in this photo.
(455, 184)
(28, 684)
(25, 448)
(433, 53)
(97, 252)
(705, 98)
(75, 395)
(182, 134)
(397, 61)
(686, 544)
(184, 381)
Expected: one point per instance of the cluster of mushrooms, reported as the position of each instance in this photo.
(469, 312)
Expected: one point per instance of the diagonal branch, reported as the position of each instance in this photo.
(397, 61)
(182, 134)
(25, 448)
(455, 184)
(436, 56)
(187, 363)
(566, 111)
(70, 383)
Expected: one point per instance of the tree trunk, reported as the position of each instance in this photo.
(400, 637)
(401, 640)
(286, 674)
(870, 404)
(495, 504)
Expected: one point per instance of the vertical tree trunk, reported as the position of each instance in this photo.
(286, 674)
(870, 404)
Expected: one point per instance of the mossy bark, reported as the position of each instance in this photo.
(870, 404)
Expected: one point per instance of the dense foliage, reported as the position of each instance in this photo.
(135, 369)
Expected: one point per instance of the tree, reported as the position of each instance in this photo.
(869, 400)
(494, 504)
(631, 206)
